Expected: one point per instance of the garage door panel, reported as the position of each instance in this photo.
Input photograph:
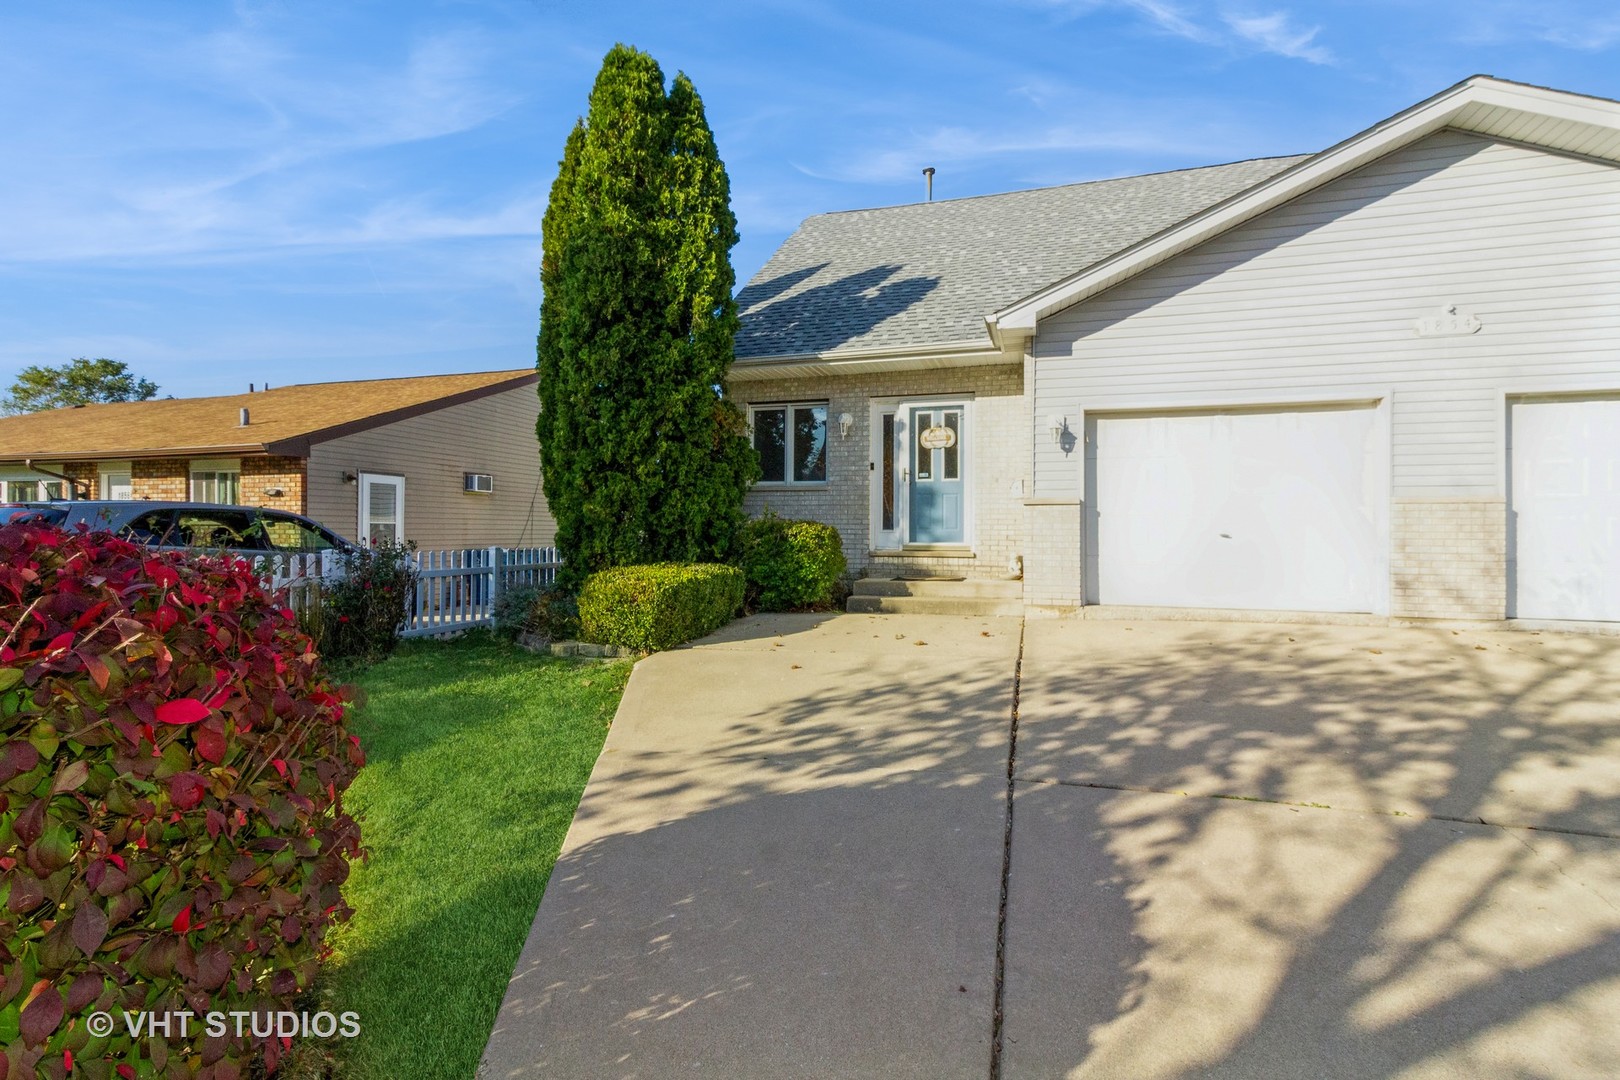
(1273, 510)
(1564, 491)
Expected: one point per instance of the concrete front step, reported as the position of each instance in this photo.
(933, 605)
(940, 588)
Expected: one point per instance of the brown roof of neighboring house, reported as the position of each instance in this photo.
(284, 421)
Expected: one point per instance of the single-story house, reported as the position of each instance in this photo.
(1383, 378)
(448, 461)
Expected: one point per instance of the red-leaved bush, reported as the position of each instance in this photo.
(172, 832)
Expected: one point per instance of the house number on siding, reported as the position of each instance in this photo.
(1448, 324)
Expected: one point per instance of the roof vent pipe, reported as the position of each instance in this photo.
(241, 418)
(929, 174)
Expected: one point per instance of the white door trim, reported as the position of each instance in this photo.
(363, 530)
(881, 539)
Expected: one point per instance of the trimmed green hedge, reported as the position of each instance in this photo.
(790, 564)
(658, 606)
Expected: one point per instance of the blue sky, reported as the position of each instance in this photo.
(299, 191)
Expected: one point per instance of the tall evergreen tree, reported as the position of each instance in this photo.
(644, 459)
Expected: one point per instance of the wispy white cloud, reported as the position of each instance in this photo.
(1275, 33)
(286, 154)
(1170, 131)
(1270, 32)
(1173, 19)
(1580, 26)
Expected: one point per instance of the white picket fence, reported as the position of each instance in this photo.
(455, 590)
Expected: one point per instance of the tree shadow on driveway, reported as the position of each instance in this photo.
(788, 863)
(1294, 816)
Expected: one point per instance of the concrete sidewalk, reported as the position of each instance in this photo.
(1238, 851)
(787, 862)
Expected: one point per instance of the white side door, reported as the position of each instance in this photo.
(382, 508)
(115, 480)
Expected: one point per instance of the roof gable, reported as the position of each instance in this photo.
(923, 275)
(1550, 119)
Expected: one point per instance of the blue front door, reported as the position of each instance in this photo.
(938, 451)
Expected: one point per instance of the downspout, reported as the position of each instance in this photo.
(73, 485)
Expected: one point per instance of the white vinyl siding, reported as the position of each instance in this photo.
(1317, 301)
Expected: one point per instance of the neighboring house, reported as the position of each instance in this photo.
(449, 461)
(1384, 378)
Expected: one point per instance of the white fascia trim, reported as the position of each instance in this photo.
(855, 361)
(855, 355)
(1420, 120)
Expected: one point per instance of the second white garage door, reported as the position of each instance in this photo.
(1281, 510)
(1565, 526)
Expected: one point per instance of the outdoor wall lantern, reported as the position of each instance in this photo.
(1057, 425)
(846, 422)
(274, 492)
(349, 477)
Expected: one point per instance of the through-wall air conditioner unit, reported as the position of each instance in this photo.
(478, 483)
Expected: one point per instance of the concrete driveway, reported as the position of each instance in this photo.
(1237, 850)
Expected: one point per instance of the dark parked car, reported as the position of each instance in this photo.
(241, 530)
(41, 512)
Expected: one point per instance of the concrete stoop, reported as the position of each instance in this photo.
(936, 596)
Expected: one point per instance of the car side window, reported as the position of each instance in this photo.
(217, 529)
(150, 528)
(291, 534)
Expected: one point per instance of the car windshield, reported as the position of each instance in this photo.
(216, 530)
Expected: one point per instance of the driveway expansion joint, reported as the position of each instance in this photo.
(1403, 814)
(996, 1014)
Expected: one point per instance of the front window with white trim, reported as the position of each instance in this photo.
(791, 440)
(216, 480)
(25, 485)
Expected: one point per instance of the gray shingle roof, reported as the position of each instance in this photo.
(928, 273)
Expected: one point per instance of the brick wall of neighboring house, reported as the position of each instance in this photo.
(88, 479)
(999, 463)
(263, 474)
(161, 478)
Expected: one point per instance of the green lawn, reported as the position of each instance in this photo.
(476, 754)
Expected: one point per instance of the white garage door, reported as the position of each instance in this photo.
(1278, 510)
(1564, 561)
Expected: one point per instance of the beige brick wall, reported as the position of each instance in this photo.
(263, 474)
(170, 479)
(1052, 567)
(86, 473)
(1448, 559)
(999, 462)
(163, 478)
